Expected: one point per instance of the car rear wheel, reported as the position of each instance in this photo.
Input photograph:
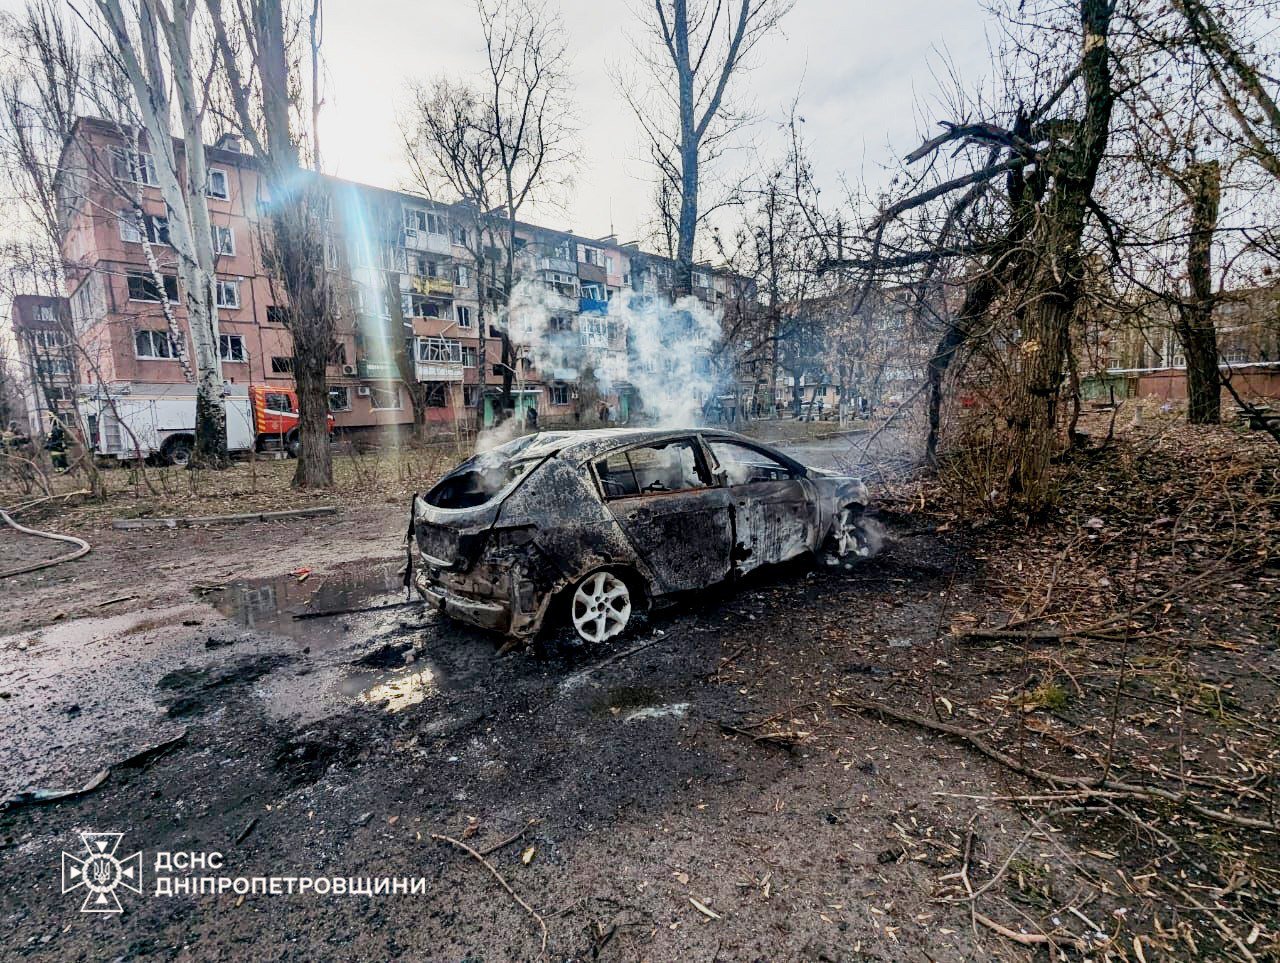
(600, 607)
(848, 539)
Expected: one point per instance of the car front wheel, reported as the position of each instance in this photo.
(848, 539)
(600, 607)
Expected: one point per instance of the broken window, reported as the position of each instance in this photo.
(153, 345)
(143, 287)
(743, 465)
(282, 365)
(339, 398)
(559, 394)
(231, 347)
(440, 350)
(670, 467)
(437, 394)
(384, 399)
(217, 186)
(480, 478)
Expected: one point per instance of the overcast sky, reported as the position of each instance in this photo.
(859, 66)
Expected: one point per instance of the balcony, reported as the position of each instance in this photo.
(436, 287)
(438, 371)
(593, 306)
(558, 264)
(416, 240)
(377, 369)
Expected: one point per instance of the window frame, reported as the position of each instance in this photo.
(346, 394)
(229, 356)
(230, 235)
(373, 394)
(148, 279)
(794, 468)
(226, 184)
(701, 466)
(233, 284)
(152, 333)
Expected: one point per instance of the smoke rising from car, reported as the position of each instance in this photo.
(662, 350)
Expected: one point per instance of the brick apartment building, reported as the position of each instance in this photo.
(46, 357)
(411, 275)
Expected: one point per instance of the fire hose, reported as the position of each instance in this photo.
(83, 547)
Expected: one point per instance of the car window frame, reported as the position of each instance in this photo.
(699, 454)
(720, 474)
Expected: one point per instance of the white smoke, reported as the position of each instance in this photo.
(662, 350)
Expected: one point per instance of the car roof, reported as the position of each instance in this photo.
(581, 446)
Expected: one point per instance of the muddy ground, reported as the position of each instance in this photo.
(688, 793)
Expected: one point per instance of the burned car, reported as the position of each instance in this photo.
(591, 526)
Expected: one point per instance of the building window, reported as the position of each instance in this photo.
(143, 287)
(157, 228)
(470, 356)
(228, 294)
(701, 279)
(281, 365)
(470, 395)
(153, 345)
(420, 306)
(135, 166)
(384, 398)
(416, 219)
(494, 332)
(462, 276)
(440, 350)
(53, 366)
(218, 184)
(593, 290)
(277, 314)
(339, 398)
(49, 340)
(338, 353)
(608, 263)
(559, 394)
(437, 394)
(461, 236)
(231, 348)
(463, 314)
(558, 325)
(224, 240)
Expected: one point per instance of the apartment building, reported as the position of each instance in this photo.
(410, 267)
(46, 357)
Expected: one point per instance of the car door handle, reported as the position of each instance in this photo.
(639, 515)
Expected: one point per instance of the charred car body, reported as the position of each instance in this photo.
(592, 525)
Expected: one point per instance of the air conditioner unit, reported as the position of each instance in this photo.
(362, 391)
(349, 370)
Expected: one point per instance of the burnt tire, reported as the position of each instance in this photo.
(600, 607)
(177, 451)
(849, 540)
(293, 445)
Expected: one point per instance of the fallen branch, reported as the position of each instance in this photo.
(498, 876)
(83, 548)
(1028, 939)
(1108, 788)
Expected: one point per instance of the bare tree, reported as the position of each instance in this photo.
(695, 49)
(264, 100)
(500, 144)
(153, 71)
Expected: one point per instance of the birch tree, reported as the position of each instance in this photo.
(152, 70)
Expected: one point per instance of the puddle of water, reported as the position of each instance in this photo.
(270, 604)
(81, 631)
(401, 691)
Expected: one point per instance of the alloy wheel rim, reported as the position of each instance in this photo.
(601, 607)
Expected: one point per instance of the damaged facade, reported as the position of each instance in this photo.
(411, 271)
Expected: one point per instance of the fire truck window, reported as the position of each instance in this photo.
(278, 402)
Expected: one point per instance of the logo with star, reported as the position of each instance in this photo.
(101, 872)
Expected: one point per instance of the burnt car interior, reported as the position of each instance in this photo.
(673, 466)
(478, 480)
(743, 465)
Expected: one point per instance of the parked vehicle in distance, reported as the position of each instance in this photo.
(159, 421)
(593, 525)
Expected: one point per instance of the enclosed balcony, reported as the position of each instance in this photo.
(593, 306)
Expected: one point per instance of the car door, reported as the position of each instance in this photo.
(775, 513)
(676, 518)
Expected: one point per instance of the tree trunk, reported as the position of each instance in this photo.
(315, 464)
(1194, 321)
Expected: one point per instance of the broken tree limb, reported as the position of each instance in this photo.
(1028, 939)
(82, 549)
(316, 512)
(498, 876)
(1109, 788)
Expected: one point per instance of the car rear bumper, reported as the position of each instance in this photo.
(492, 614)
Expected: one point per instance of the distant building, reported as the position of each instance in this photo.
(411, 267)
(46, 358)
